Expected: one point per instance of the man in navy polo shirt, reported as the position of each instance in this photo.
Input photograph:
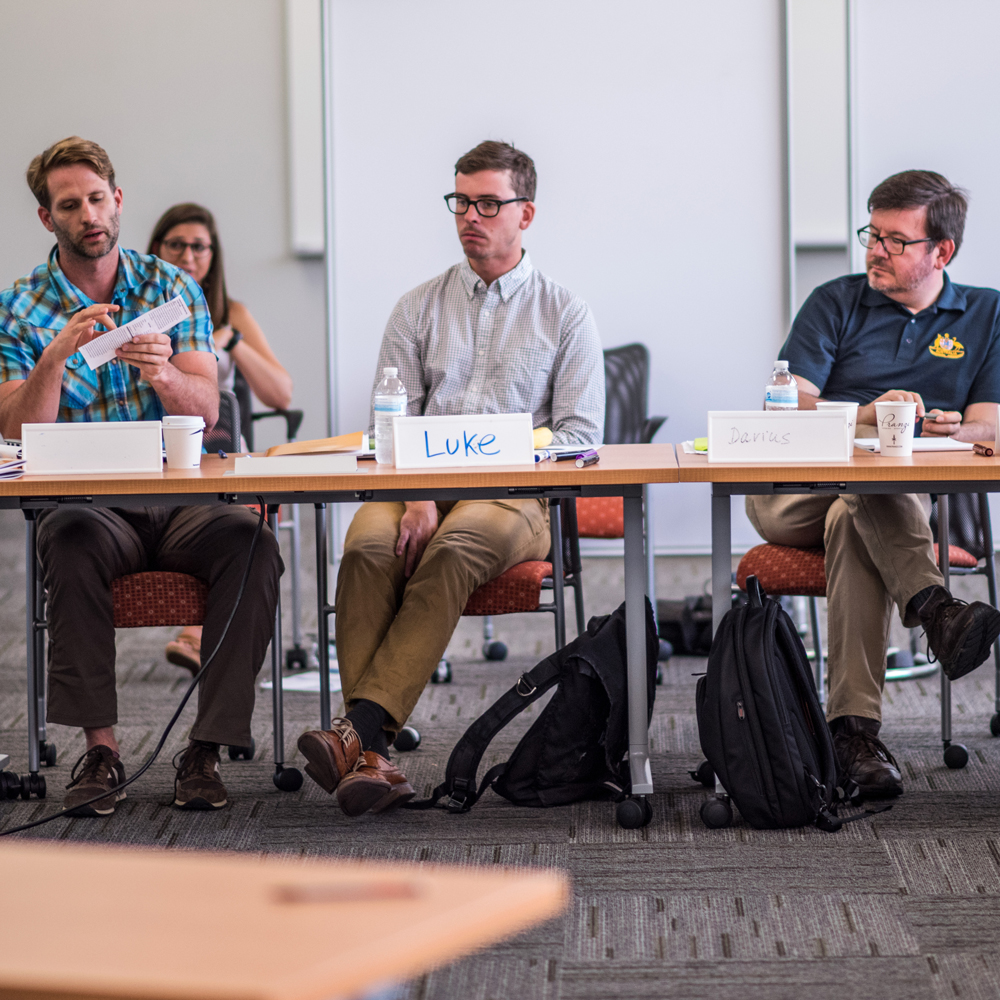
(902, 323)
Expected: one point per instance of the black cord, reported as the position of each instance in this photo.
(180, 708)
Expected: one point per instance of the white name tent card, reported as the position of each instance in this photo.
(108, 446)
(102, 349)
(778, 436)
(473, 439)
(294, 465)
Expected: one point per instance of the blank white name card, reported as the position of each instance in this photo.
(474, 439)
(778, 436)
(101, 446)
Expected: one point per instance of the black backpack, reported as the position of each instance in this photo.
(760, 721)
(576, 749)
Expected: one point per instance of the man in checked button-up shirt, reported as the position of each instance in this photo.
(490, 335)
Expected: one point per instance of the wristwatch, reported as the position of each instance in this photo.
(233, 340)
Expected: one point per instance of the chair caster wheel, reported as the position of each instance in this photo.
(10, 785)
(495, 650)
(47, 752)
(243, 753)
(287, 779)
(716, 813)
(442, 673)
(956, 756)
(32, 784)
(633, 813)
(296, 659)
(704, 774)
(995, 725)
(407, 739)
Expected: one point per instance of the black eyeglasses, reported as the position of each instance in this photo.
(486, 207)
(890, 244)
(177, 247)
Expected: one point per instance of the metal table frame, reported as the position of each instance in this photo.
(635, 591)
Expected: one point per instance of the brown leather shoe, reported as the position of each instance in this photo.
(960, 635)
(864, 757)
(377, 785)
(198, 782)
(332, 754)
(98, 770)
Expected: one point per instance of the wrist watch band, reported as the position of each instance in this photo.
(233, 340)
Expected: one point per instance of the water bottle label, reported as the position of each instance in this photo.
(784, 394)
(393, 408)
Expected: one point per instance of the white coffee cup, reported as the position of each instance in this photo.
(182, 439)
(895, 428)
(852, 417)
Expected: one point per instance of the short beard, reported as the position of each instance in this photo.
(89, 251)
(892, 284)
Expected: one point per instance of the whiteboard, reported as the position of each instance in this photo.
(657, 130)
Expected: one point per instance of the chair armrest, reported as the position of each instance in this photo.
(293, 420)
(651, 426)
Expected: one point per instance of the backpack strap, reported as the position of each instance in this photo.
(460, 776)
(755, 592)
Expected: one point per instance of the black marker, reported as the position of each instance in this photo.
(584, 460)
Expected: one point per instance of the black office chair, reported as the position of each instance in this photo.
(225, 435)
(296, 658)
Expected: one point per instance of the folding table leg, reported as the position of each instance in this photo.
(322, 617)
(33, 783)
(558, 582)
(288, 779)
(955, 754)
(819, 666)
(296, 657)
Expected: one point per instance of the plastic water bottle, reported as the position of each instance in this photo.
(781, 391)
(390, 401)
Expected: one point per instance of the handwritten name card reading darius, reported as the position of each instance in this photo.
(778, 436)
(476, 439)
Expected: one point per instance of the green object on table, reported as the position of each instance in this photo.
(701, 444)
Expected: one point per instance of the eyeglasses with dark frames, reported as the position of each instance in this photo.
(486, 207)
(176, 248)
(892, 245)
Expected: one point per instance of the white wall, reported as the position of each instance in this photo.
(188, 98)
(656, 130)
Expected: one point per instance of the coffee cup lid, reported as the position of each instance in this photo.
(176, 420)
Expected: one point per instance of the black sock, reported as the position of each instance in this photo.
(918, 600)
(367, 718)
(381, 744)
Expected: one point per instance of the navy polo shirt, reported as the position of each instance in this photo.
(855, 343)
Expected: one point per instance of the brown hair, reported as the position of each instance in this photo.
(62, 154)
(946, 204)
(492, 155)
(214, 284)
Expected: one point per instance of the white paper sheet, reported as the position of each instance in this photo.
(920, 444)
(307, 682)
(102, 349)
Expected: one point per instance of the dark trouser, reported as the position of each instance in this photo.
(82, 550)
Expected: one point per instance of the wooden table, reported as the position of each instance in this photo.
(937, 472)
(623, 470)
(180, 925)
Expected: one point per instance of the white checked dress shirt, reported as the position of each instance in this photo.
(523, 345)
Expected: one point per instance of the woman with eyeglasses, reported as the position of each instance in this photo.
(186, 236)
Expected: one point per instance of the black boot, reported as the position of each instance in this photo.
(864, 757)
(960, 635)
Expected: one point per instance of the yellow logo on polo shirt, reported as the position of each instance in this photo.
(946, 346)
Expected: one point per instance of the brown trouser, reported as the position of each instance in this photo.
(392, 632)
(879, 551)
(82, 550)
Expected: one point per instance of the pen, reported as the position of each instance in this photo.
(568, 456)
(589, 459)
(982, 449)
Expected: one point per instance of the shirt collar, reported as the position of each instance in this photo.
(952, 297)
(71, 298)
(508, 283)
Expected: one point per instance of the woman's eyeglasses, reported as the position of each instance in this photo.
(176, 248)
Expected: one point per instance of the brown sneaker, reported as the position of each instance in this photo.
(198, 784)
(864, 757)
(100, 772)
(331, 753)
(185, 651)
(960, 635)
(377, 785)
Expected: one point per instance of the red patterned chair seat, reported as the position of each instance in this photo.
(518, 589)
(600, 517)
(150, 599)
(782, 569)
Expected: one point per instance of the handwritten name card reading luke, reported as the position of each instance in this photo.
(778, 436)
(477, 439)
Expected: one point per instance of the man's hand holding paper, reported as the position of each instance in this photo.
(80, 329)
(150, 353)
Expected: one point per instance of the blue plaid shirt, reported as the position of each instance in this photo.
(36, 307)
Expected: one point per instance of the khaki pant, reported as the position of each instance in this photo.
(879, 551)
(392, 632)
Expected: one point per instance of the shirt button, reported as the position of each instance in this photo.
(913, 321)
(481, 353)
(909, 340)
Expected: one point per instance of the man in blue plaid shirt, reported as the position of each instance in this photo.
(88, 285)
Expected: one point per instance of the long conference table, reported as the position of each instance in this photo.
(936, 472)
(623, 470)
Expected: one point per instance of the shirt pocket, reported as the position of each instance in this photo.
(80, 384)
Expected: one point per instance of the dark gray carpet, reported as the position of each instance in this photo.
(906, 905)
